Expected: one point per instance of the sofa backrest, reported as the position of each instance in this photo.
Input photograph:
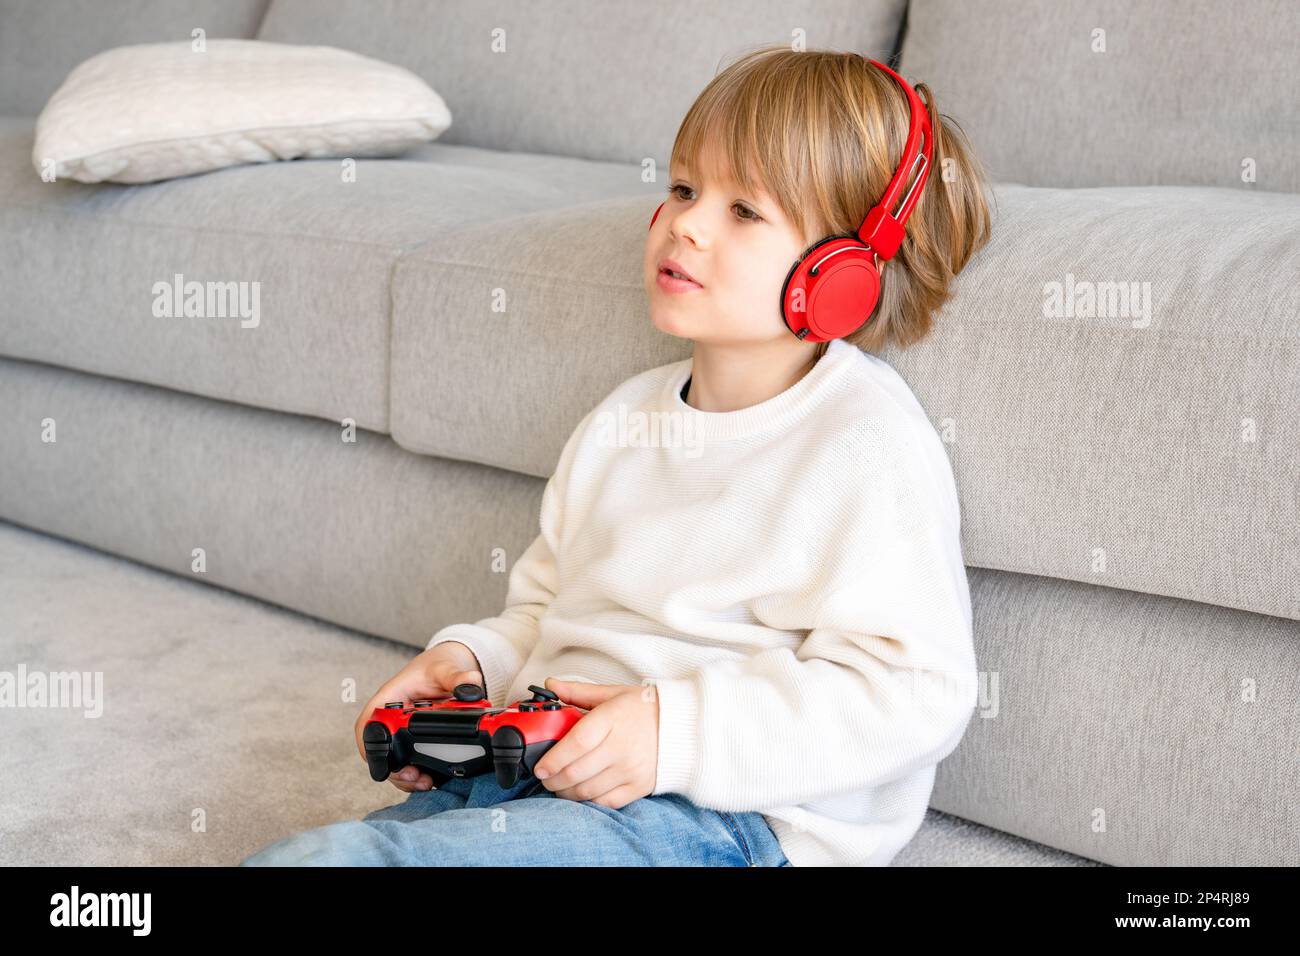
(605, 81)
(1118, 93)
(42, 40)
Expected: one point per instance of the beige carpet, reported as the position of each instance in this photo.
(224, 725)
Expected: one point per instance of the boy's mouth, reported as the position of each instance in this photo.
(671, 268)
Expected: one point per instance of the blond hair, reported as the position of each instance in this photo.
(822, 131)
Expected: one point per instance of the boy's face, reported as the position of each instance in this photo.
(738, 247)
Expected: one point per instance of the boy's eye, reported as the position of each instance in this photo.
(747, 214)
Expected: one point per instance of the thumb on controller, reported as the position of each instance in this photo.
(458, 677)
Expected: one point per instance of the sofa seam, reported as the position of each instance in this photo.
(118, 379)
(261, 20)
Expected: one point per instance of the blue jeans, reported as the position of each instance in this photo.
(472, 821)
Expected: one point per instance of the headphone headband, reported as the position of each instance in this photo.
(882, 230)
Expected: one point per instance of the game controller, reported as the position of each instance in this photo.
(462, 736)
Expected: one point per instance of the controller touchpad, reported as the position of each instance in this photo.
(450, 753)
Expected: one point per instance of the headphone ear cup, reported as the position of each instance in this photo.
(655, 216)
(831, 290)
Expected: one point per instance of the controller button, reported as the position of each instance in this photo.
(508, 750)
(541, 693)
(396, 705)
(551, 706)
(422, 703)
(525, 706)
(378, 743)
(468, 692)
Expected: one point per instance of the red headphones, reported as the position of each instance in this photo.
(833, 294)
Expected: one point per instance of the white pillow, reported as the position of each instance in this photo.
(135, 114)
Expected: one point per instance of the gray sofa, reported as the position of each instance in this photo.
(242, 570)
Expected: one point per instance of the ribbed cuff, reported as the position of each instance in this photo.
(496, 675)
(679, 738)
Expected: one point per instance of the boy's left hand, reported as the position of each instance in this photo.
(611, 755)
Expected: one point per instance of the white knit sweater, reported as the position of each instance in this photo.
(788, 575)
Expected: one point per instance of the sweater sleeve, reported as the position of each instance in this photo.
(882, 685)
(502, 643)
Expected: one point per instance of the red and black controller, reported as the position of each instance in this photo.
(462, 736)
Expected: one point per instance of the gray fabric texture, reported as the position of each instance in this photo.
(1158, 457)
(1134, 729)
(42, 40)
(609, 82)
(319, 248)
(1184, 93)
(363, 534)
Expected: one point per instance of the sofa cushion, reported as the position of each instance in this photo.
(610, 81)
(42, 40)
(1186, 92)
(1143, 441)
(1118, 379)
(89, 271)
(506, 334)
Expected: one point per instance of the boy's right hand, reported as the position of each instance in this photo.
(431, 674)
